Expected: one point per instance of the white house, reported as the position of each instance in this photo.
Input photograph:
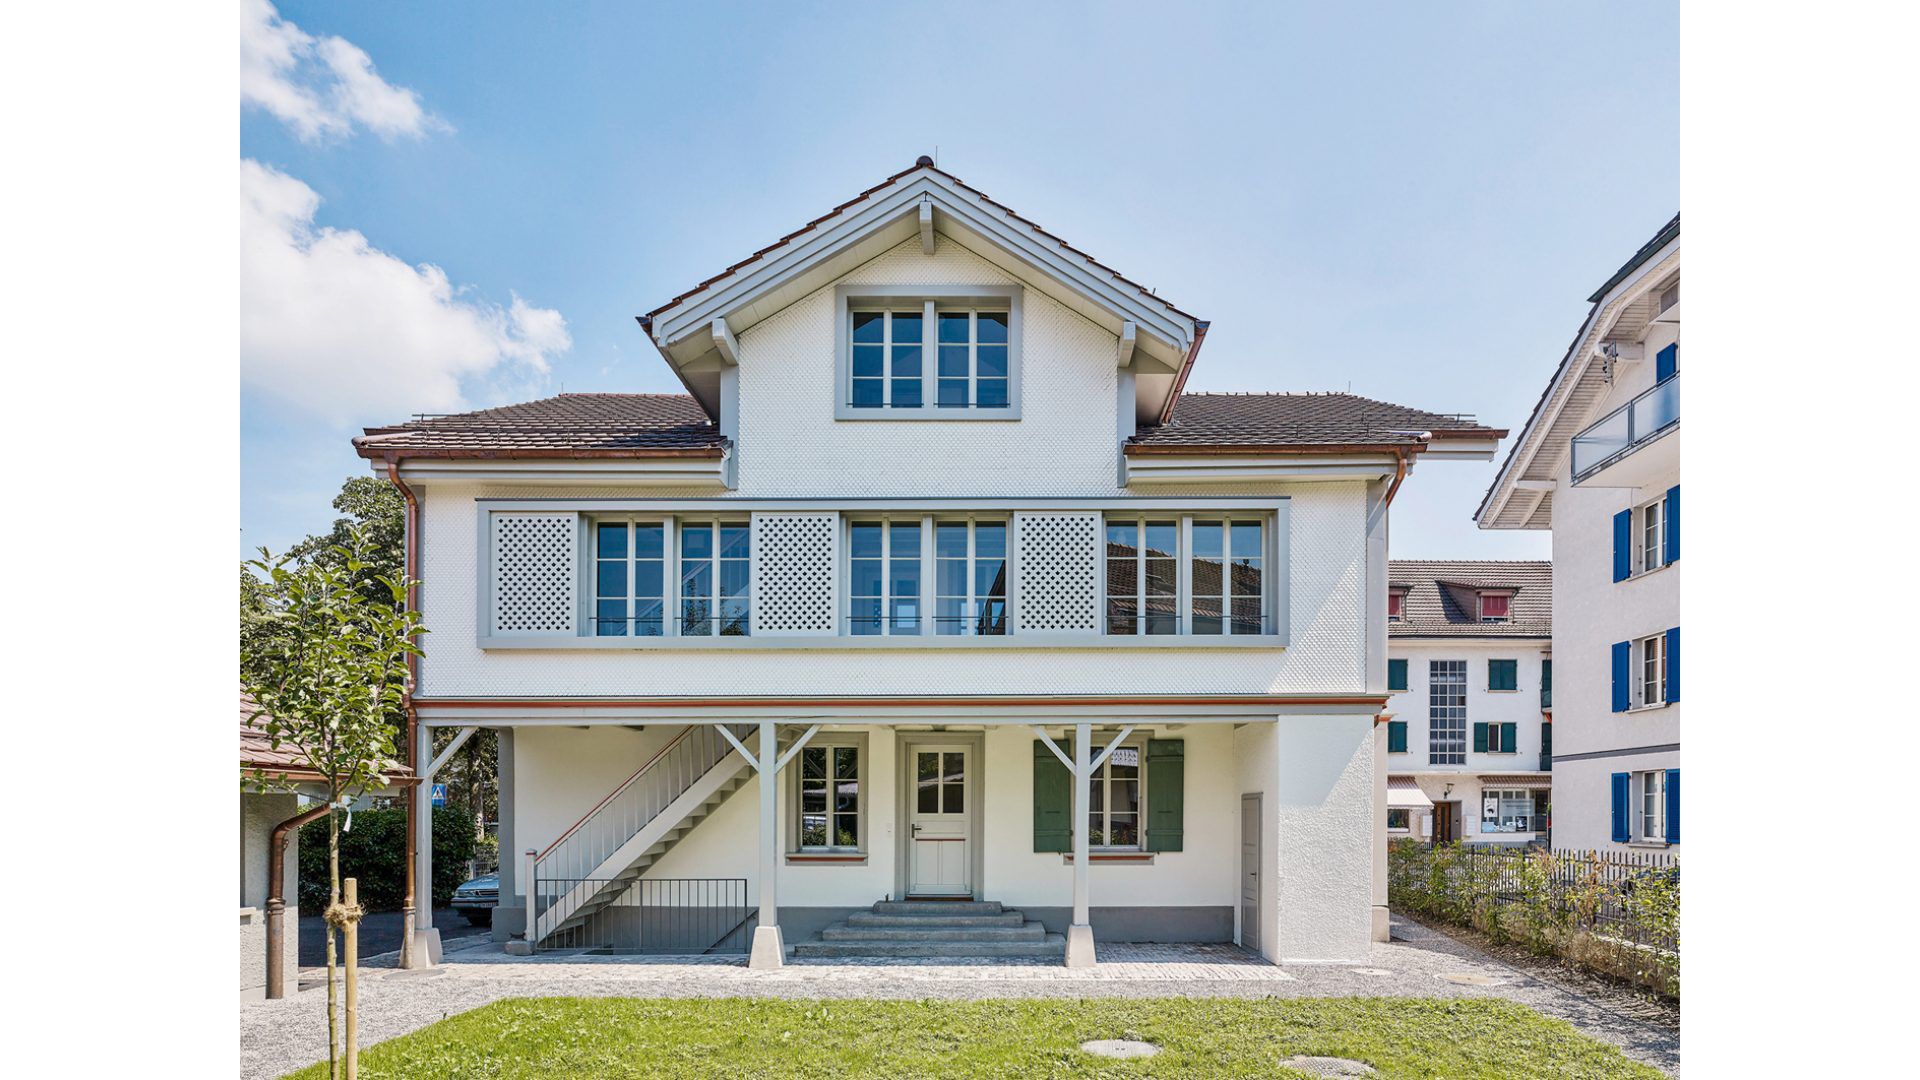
(1470, 706)
(1039, 650)
(1599, 464)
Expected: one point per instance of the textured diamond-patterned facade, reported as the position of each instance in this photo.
(1056, 573)
(535, 573)
(796, 559)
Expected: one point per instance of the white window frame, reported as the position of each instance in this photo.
(1650, 522)
(1501, 798)
(1102, 782)
(1650, 787)
(669, 566)
(713, 524)
(1651, 685)
(974, 598)
(887, 377)
(1435, 755)
(1493, 735)
(796, 779)
(924, 524)
(1406, 816)
(1480, 606)
(1184, 619)
(931, 299)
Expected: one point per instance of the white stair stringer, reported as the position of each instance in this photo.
(631, 859)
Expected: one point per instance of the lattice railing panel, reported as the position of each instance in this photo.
(1057, 572)
(796, 562)
(535, 575)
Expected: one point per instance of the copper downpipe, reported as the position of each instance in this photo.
(412, 559)
(277, 903)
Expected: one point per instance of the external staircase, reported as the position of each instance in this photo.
(941, 929)
(605, 852)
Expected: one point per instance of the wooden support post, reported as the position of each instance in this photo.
(350, 898)
(1080, 932)
(769, 951)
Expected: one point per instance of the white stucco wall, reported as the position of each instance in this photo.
(1591, 612)
(258, 815)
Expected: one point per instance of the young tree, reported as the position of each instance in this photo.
(325, 661)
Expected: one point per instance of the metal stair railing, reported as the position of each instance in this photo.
(584, 847)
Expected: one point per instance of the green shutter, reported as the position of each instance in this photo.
(1479, 738)
(1510, 738)
(1546, 743)
(1503, 674)
(1052, 799)
(1396, 736)
(1396, 674)
(1166, 794)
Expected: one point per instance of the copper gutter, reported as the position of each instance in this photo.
(276, 903)
(1186, 369)
(393, 455)
(412, 560)
(1400, 470)
(895, 702)
(1227, 450)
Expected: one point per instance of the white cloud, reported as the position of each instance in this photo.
(335, 326)
(320, 87)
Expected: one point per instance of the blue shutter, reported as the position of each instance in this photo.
(1672, 524)
(1673, 806)
(1621, 785)
(1622, 675)
(1673, 664)
(1622, 545)
(1666, 362)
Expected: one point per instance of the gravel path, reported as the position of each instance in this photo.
(277, 1037)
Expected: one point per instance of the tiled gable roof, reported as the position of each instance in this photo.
(258, 755)
(1441, 590)
(570, 425)
(1255, 421)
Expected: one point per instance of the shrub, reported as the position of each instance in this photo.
(376, 853)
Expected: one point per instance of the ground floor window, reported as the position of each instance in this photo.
(1653, 805)
(1506, 810)
(828, 787)
(1115, 805)
(1399, 820)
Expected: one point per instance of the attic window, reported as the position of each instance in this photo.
(1496, 607)
(1396, 605)
(916, 352)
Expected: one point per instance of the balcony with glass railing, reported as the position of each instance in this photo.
(1613, 438)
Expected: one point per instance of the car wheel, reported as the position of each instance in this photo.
(479, 916)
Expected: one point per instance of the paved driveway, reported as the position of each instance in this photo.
(279, 1036)
(379, 933)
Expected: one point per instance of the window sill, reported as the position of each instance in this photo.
(1655, 845)
(878, 644)
(1638, 575)
(829, 858)
(1123, 858)
(1495, 690)
(1655, 707)
(852, 412)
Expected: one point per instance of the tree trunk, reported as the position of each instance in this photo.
(333, 895)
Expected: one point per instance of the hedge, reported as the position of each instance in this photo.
(376, 853)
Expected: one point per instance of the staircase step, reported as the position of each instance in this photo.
(868, 918)
(1052, 946)
(923, 908)
(1032, 931)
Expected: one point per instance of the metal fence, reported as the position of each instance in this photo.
(658, 917)
(1594, 890)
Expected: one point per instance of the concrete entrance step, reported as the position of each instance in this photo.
(1032, 931)
(923, 908)
(1053, 946)
(868, 918)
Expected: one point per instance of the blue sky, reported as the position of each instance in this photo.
(1411, 201)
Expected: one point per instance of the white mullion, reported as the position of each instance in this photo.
(929, 356)
(886, 359)
(633, 577)
(1140, 577)
(929, 566)
(1183, 577)
(973, 602)
(973, 358)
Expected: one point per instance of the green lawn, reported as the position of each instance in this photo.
(742, 1038)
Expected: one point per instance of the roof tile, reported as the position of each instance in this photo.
(587, 424)
(1433, 610)
(1287, 420)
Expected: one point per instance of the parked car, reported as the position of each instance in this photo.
(476, 899)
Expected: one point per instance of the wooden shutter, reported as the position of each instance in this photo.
(1503, 674)
(1546, 743)
(1673, 664)
(1671, 523)
(1396, 736)
(1479, 738)
(1622, 785)
(1666, 363)
(1052, 800)
(1166, 794)
(1510, 738)
(1396, 674)
(1622, 675)
(1673, 806)
(1623, 545)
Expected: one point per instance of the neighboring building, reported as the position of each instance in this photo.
(935, 536)
(1599, 464)
(1470, 674)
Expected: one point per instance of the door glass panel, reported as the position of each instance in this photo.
(927, 770)
(955, 783)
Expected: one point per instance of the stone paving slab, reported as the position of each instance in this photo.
(280, 1036)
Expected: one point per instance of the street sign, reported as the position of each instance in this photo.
(439, 794)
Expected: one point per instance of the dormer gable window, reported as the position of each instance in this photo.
(1396, 605)
(1496, 607)
(936, 352)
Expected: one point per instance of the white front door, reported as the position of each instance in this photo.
(942, 844)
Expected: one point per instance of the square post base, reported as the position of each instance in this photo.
(1080, 946)
(769, 951)
(1382, 924)
(426, 948)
